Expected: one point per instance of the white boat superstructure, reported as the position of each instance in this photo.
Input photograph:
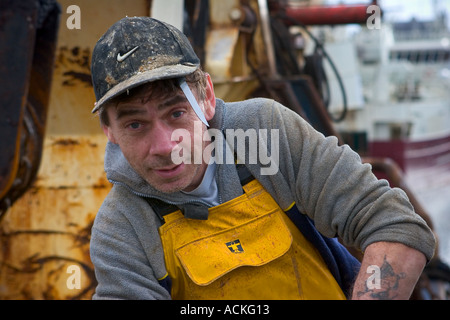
(397, 89)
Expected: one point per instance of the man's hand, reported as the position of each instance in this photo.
(388, 271)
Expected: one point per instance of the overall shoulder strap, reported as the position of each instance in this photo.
(160, 207)
(244, 174)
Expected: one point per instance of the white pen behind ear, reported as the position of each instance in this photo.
(194, 104)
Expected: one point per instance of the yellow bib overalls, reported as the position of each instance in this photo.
(247, 249)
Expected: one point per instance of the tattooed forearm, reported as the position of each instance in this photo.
(395, 267)
(389, 283)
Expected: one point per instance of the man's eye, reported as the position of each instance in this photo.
(134, 125)
(177, 114)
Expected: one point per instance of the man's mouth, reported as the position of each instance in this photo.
(169, 172)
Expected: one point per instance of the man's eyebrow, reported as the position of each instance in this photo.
(172, 101)
(130, 111)
(124, 112)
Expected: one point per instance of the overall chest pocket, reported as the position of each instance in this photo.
(254, 243)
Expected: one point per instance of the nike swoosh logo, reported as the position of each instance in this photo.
(120, 57)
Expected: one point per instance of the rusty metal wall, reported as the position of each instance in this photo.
(234, 48)
(45, 234)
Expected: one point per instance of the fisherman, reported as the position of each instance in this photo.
(182, 221)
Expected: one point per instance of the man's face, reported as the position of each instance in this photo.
(144, 131)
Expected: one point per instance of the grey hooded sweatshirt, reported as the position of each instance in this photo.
(326, 181)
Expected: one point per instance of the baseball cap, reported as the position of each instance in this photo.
(137, 50)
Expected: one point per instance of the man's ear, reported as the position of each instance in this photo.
(210, 99)
(109, 134)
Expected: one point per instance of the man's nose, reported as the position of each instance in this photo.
(161, 143)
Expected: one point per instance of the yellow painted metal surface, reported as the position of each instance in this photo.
(44, 252)
(233, 44)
